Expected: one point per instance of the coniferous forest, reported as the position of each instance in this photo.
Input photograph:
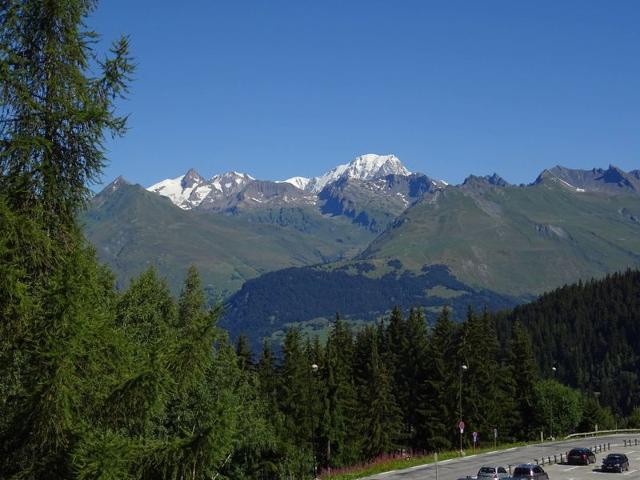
(97, 383)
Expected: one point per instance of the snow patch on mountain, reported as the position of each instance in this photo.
(298, 182)
(190, 190)
(173, 189)
(316, 184)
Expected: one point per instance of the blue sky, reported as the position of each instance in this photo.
(282, 88)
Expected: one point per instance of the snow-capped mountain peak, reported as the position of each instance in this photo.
(364, 167)
(190, 189)
(299, 182)
(191, 178)
(372, 166)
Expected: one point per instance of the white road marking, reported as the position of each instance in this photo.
(569, 469)
(510, 449)
(630, 472)
(488, 453)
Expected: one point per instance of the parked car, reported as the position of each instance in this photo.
(529, 471)
(615, 462)
(580, 456)
(492, 472)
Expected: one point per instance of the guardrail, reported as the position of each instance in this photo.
(602, 432)
(562, 457)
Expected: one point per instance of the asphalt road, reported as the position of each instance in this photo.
(469, 465)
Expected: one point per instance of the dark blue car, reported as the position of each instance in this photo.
(615, 462)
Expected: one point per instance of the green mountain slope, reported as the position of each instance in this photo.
(133, 229)
(514, 240)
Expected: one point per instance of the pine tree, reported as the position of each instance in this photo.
(58, 345)
(338, 422)
(525, 373)
(380, 418)
(482, 395)
(243, 351)
(55, 113)
(145, 313)
(294, 393)
(439, 399)
(202, 413)
(413, 375)
(267, 376)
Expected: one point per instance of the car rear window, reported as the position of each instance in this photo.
(520, 471)
(615, 457)
(487, 470)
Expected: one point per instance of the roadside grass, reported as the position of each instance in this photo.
(387, 463)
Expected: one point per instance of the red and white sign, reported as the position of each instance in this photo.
(461, 426)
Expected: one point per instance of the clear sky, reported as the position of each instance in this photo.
(279, 88)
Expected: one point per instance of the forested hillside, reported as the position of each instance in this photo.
(591, 333)
(268, 305)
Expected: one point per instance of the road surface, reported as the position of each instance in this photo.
(469, 465)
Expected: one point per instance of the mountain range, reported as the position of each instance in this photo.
(367, 235)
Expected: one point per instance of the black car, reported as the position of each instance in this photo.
(581, 456)
(615, 462)
(529, 471)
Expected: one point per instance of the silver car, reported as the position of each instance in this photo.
(492, 472)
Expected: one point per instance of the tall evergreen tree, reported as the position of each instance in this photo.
(244, 353)
(145, 314)
(482, 393)
(295, 391)
(55, 112)
(338, 417)
(413, 377)
(379, 415)
(437, 403)
(202, 413)
(57, 342)
(525, 373)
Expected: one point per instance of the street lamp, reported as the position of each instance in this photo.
(597, 395)
(553, 371)
(463, 368)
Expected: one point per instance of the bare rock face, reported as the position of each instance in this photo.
(611, 181)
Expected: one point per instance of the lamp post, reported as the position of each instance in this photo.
(553, 371)
(597, 395)
(463, 368)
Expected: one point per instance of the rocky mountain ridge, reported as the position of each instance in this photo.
(191, 190)
(371, 242)
(375, 173)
